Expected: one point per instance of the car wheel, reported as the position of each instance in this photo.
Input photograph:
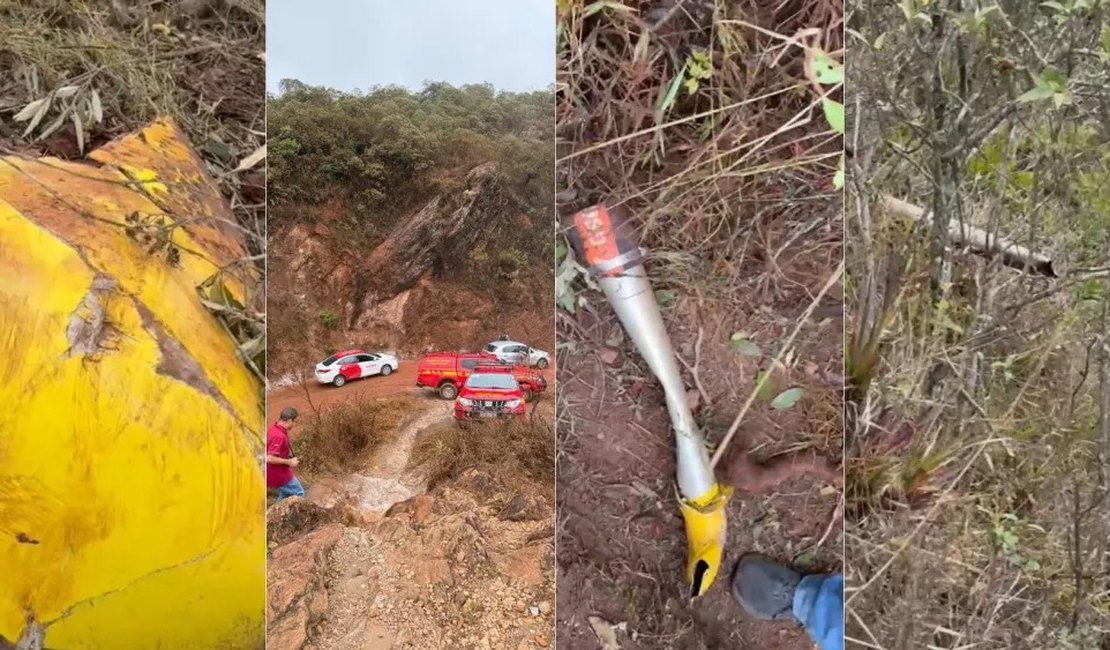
(541, 364)
(448, 391)
(339, 381)
(386, 369)
(528, 395)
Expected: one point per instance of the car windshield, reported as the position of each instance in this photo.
(492, 347)
(493, 380)
(330, 360)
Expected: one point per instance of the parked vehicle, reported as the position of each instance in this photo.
(491, 391)
(446, 372)
(515, 352)
(340, 368)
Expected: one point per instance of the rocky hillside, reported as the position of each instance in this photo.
(407, 219)
(469, 565)
(439, 280)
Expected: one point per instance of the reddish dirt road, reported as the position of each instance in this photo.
(400, 383)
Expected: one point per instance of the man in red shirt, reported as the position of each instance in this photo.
(280, 460)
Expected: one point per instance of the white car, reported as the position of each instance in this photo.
(342, 367)
(517, 353)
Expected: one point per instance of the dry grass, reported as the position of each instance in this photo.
(967, 498)
(730, 186)
(709, 172)
(513, 451)
(977, 511)
(198, 62)
(731, 189)
(343, 435)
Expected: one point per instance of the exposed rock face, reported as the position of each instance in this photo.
(410, 291)
(296, 596)
(439, 236)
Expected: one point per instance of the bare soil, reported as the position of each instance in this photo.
(469, 563)
(728, 177)
(621, 545)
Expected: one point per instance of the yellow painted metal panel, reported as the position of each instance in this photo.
(131, 492)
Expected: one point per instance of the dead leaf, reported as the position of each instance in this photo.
(54, 126)
(79, 131)
(95, 107)
(252, 160)
(606, 633)
(608, 356)
(29, 110)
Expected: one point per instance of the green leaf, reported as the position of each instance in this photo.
(699, 65)
(569, 302)
(948, 323)
(672, 92)
(1055, 5)
(1054, 78)
(806, 559)
(1032, 565)
(838, 180)
(665, 298)
(763, 385)
(827, 71)
(834, 114)
(981, 14)
(909, 8)
(1089, 290)
(1036, 93)
(786, 399)
(744, 345)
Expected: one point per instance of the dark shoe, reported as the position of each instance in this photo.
(765, 588)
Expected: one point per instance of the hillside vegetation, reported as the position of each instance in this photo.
(384, 153)
(977, 496)
(422, 219)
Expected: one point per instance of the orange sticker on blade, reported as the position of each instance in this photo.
(599, 242)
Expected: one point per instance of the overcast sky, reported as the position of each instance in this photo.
(348, 44)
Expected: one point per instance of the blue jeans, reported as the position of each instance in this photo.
(819, 605)
(291, 489)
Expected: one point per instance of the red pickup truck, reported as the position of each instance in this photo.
(490, 392)
(446, 372)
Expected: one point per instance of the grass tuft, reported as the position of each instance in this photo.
(344, 434)
(512, 451)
